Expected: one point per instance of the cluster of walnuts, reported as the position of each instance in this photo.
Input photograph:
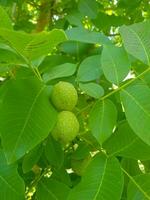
(64, 97)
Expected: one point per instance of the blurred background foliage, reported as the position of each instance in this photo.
(100, 15)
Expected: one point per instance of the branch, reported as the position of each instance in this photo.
(45, 14)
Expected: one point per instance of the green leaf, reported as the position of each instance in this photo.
(32, 46)
(62, 176)
(31, 158)
(92, 89)
(146, 164)
(15, 40)
(8, 57)
(90, 140)
(129, 4)
(102, 120)
(83, 35)
(115, 64)
(3, 89)
(24, 73)
(53, 60)
(75, 48)
(75, 18)
(131, 166)
(43, 43)
(88, 8)
(27, 115)
(104, 21)
(81, 152)
(124, 142)
(138, 188)
(5, 21)
(64, 70)
(136, 40)
(54, 153)
(135, 99)
(11, 184)
(49, 189)
(102, 179)
(89, 69)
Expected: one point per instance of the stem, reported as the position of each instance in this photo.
(117, 90)
(45, 14)
(84, 109)
(38, 73)
(35, 71)
(37, 179)
(126, 84)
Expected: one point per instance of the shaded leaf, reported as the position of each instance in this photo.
(102, 179)
(49, 189)
(62, 175)
(124, 142)
(89, 69)
(11, 184)
(64, 70)
(131, 166)
(92, 89)
(9, 58)
(75, 18)
(104, 21)
(88, 8)
(74, 48)
(54, 60)
(81, 152)
(138, 187)
(31, 158)
(54, 153)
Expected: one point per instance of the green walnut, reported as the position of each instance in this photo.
(66, 128)
(79, 166)
(64, 96)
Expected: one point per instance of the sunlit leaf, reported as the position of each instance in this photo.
(27, 115)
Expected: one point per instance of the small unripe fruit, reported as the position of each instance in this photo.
(79, 166)
(66, 128)
(64, 96)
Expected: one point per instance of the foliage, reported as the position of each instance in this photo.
(97, 145)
